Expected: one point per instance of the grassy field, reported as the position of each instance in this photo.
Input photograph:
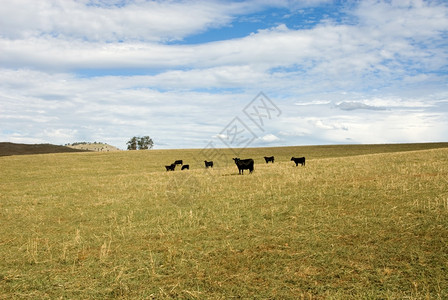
(367, 222)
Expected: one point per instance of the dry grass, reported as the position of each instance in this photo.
(116, 225)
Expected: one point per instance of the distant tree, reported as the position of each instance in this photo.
(132, 143)
(140, 143)
(145, 143)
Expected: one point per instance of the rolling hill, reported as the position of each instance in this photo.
(98, 147)
(7, 149)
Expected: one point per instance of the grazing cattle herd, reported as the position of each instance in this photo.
(242, 164)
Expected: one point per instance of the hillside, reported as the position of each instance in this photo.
(98, 147)
(7, 149)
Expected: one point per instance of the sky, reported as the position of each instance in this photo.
(198, 74)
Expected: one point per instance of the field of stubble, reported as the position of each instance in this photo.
(355, 222)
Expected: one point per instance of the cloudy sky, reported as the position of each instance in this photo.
(188, 73)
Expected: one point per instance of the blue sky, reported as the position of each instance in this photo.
(183, 71)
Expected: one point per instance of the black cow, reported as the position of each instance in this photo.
(178, 162)
(208, 164)
(170, 167)
(269, 159)
(300, 160)
(244, 164)
(185, 167)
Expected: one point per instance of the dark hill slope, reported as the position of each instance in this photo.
(23, 149)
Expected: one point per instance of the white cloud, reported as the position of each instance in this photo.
(397, 127)
(316, 102)
(62, 108)
(99, 21)
(385, 64)
(40, 105)
(135, 20)
(67, 134)
(352, 105)
(269, 138)
(294, 132)
(338, 52)
(327, 124)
